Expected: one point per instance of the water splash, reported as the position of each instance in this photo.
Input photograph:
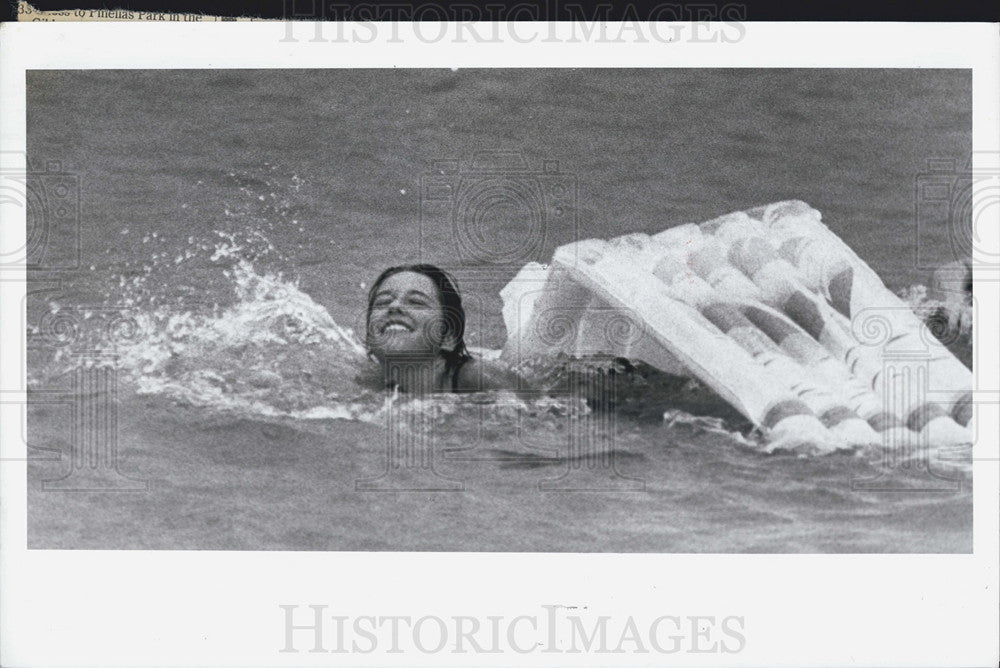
(273, 351)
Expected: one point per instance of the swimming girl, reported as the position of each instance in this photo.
(415, 329)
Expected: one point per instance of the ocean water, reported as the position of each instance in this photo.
(230, 224)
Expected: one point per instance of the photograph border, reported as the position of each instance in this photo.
(75, 607)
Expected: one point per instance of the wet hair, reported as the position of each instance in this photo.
(451, 306)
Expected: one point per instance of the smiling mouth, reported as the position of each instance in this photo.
(396, 326)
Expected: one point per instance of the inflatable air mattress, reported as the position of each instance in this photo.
(767, 307)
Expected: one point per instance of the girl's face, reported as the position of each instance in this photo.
(406, 317)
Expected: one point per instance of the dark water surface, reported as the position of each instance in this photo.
(240, 216)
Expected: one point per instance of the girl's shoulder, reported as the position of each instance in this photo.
(478, 375)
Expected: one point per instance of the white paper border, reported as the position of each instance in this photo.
(217, 608)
